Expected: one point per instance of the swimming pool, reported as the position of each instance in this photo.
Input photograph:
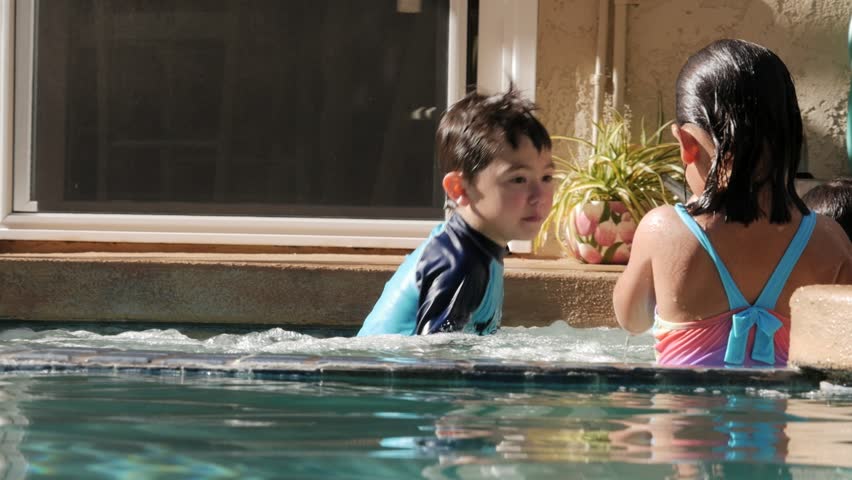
(555, 343)
(172, 422)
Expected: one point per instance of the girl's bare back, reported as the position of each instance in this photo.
(688, 286)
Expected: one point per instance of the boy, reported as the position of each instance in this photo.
(499, 174)
(834, 200)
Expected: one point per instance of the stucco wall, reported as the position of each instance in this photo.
(567, 41)
(810, 36)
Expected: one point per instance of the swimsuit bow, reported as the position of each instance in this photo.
(764, 337)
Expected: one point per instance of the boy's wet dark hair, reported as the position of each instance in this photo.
(833, 199)
(743, 96)
(472, 131)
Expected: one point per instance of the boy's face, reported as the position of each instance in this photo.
(509, 199)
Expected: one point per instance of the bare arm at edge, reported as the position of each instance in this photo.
(634, 297)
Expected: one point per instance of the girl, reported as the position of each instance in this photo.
(714, 277)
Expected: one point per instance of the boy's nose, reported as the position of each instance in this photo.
(536, 191)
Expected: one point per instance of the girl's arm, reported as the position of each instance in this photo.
(634, 298)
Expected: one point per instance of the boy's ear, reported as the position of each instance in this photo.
(690, 149)
(454, 187)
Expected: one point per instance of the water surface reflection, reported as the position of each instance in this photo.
(109, 426)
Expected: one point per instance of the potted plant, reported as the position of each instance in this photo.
(599, 201)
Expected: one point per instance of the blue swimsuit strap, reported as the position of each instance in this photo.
(735, 298)
(769, 295)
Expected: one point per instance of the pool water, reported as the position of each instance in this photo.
(151, 426)
(105, 423)
(555, 343)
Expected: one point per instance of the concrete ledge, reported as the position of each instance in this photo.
(294, 289)
(821, 329)
(354, 369)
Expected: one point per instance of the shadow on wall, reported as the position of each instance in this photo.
(809, 38)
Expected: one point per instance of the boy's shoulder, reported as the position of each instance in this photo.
(459, 238)
(459, 248)
(440, 252)
(453, 250)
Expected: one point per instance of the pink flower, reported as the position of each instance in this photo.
(617, 207)
(622, 254)
(626, 228)
(589, 254)
(594, 209)
(605, 233)
(587, 216)
(585, 225)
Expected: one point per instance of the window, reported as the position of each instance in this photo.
(235, 121)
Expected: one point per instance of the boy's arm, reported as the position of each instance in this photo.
(634, 297)
(448, 296)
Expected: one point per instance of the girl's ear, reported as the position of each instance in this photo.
(690, 149)
(454, 187)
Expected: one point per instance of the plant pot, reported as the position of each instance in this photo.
(600, 231)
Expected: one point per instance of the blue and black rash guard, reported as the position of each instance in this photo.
(452, 282)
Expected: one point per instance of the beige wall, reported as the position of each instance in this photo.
(567, 33)
(810, 36)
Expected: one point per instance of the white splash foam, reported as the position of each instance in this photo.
(557, 342)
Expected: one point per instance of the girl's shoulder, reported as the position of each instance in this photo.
(663, 220)
(662, 216)
(829, 234)
(661, 226)
(829, 248)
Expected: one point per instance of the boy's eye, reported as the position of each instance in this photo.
(547, 178)
(518, 180)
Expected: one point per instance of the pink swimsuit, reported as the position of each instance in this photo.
(746, 335)
(705, 342)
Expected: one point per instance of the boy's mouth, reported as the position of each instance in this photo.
(533, 218)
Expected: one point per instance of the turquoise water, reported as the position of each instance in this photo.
(147, 426)
(111, 425)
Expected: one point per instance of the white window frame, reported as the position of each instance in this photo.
(506, 47)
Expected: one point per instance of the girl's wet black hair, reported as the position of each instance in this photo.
(743, 96)
(472, 131)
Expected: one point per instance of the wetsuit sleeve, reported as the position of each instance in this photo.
(449, 294)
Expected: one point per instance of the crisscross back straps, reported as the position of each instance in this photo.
(735, 297)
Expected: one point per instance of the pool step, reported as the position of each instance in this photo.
(295, 289)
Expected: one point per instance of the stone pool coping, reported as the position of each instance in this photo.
(354, 369)
(295, 289)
